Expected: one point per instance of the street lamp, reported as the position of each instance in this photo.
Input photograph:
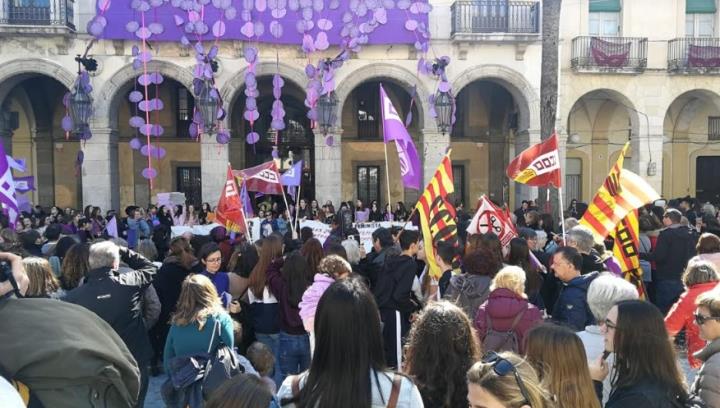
(326, 105)
(80, 101)
(444, 110)
(207, 103)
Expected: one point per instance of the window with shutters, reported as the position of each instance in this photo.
(368, 183)
(573, 179)
(714, 128)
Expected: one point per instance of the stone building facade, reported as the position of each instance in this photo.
(632, 90)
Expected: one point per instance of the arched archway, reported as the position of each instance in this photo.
(691, 129)
(33, 102)
(599, 124)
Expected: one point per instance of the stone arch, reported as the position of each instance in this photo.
(689, 103)
(353, 79)
(611, 95)
(525, 96)
(14, 72)
(111, 94)
(232, 87)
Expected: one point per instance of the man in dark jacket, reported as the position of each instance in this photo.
(675, 246)
(372, 265)
(116, 298)
(395, 299)
(571, 308)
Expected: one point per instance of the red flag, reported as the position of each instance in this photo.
(263, 178)
(229, 211)
(539, 165)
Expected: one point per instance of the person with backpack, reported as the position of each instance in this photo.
(395, 299)
(503, 321)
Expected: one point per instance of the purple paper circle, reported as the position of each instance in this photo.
(252, 137)
(135, 143)
(149, 173)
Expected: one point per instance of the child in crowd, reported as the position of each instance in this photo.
(244, 362)
(263, 360)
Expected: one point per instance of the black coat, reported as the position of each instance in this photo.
(675, 246)
(645, 394)
(393, 289)
(168, 283)
(116, 298)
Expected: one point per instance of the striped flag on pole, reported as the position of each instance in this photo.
(626, 250)
(622, 192)
(437, 214)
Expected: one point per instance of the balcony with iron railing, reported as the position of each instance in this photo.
(481, 19)
(695, 56)
(614, 55)
(39, 16)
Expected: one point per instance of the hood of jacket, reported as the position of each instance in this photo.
(710, 350)
(471, 285)
(582, 281)
(505, 304)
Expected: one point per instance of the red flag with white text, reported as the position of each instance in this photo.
(539, 165)
(263, 178)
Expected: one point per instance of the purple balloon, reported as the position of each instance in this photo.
(275, 154)
(250, 54)
(329, 141)
(149, 173)
(135, 143)
(251, 115)
(67, 124)
(136, 121)
(222, 137)
(252, 137)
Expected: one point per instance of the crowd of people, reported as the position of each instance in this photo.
(545, 321)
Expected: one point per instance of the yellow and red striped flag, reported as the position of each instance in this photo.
(437, 214)
(622, 192)
(625, 249)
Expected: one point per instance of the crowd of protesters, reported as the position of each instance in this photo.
(87, 318)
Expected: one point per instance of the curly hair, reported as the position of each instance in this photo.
(482, 261)
(441, 348)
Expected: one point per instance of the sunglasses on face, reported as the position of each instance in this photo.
(700, 319)
(503, 367)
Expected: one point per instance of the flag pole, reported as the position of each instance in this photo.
(562, 213)
(297, 200)
(387, 173)
(287, 207)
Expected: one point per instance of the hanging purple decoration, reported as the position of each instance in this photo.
(278, 111)
(442, 104)
(251, 93)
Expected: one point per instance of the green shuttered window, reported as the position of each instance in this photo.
(607, 6)
(696, 6)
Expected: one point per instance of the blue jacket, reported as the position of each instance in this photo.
(571, 308)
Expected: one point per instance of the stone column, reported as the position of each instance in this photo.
(647, 151)
(100, 173)
(44, 167)
(328, 168)
(431, 151)
(214, 159)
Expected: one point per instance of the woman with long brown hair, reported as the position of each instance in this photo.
(441, 348)
(646, 370)
(193, 322)
(264, 308)
(558, 355)
(312, 250)
(75, 266)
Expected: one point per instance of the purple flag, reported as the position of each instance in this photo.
(24, 184)
(394, 129)
(247, 205)
(293, 175)
(7, 189)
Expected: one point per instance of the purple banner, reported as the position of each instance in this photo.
(24, 184)
(394, 129)
(390, 22)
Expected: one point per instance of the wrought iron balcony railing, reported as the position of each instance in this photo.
(691, 55)
(495, 16)
(609, 54)
(38, 13)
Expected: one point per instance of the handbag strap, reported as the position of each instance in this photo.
(216, 329)
(395, 393)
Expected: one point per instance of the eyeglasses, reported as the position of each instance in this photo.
(214, 260)
(502, 367)
(609, 324)
(700, 319)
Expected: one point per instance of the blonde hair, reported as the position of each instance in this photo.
(510, 277)
(42, 281)
(198, 300)
(506, 389)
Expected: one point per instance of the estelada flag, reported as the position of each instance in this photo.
(229, 211)
(263, 178)
(538, 165)
(437, 214)
(626, 250)
(622, 192)
(491, 218)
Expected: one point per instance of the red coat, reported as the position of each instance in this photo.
(503, 306)
(681, 315)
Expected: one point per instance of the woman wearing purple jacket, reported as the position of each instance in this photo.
(503, 308)
(330, 269)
